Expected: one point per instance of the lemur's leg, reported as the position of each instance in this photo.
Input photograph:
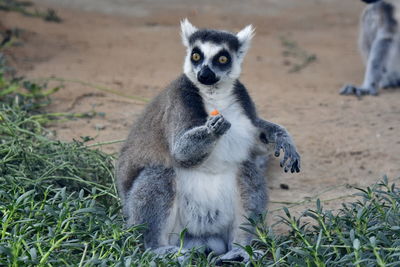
(194, 145)
(126, 173)
(151, 201)
(375, 69)
(207, 244)
(392, 81)
(276, 134)
(252, 202)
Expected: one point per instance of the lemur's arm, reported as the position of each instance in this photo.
(274, 133)
(193, 146)
(377, 62)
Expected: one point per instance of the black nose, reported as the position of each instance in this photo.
(207, 76)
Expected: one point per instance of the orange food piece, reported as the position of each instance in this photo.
(214, 112)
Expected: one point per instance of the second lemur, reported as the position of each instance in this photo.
(182, 168)
(379, 44)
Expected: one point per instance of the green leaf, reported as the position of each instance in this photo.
(356, 244)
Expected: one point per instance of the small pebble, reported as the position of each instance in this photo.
(284, 186)
(99, 127)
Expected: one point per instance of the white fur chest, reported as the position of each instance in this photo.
(234, 146)
(207, 194)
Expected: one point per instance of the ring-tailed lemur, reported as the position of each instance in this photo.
(182, 168)
(379, 43)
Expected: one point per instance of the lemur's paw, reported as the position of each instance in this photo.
(235, 254)
(291, 158)
(218, 125)
(168, 250)
(357, 91)
(179, 253)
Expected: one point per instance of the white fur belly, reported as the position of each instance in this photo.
(207, 194)
(206, 201)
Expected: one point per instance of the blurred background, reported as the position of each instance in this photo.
(112, 56)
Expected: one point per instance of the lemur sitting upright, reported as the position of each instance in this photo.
(379, 43)
(182, 168)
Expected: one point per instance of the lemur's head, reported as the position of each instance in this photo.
(214, 57)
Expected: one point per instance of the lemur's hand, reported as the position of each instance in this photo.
(237, 254)
(218, 125)
(358, 91)
(291, 159)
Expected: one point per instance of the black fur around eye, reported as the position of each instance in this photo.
(222, 60)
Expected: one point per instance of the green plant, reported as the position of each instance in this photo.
(301, 57)
(365, 232)
(26, 8)
(59, 207)
(31, 97)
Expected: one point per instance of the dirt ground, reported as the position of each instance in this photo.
(134, 49)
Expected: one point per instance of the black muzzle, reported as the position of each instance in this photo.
(207, 76)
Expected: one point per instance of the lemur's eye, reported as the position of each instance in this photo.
(196, 57)
(223, 59)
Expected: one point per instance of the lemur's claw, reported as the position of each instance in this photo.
(168, 250)
(291, 158)
(234, 255)
(218, 125)
(357, 91)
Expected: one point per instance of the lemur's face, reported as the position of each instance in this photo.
(214, 57)
(210, 63)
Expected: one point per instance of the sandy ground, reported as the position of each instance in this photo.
(134, 49)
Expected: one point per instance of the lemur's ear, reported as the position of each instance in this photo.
(187, 29)
(244, 37)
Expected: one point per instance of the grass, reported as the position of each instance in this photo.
(59, 206)
(362, 233)
(139, 99)
(27, 8)
(297, 57)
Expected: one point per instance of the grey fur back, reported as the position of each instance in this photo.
(175, 109)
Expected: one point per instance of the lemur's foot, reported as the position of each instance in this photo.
(168, 250)
(391, 84)
(358, 91)
(291, 158)
(218, 125)
(161, 251)
(235, 254)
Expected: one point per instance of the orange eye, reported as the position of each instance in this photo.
(196, 57)
(223, 59)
